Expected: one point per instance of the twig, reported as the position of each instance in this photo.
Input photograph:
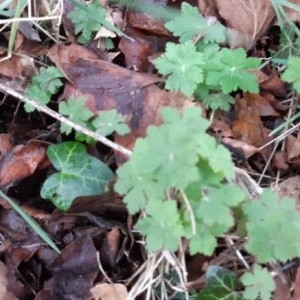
(66, 121)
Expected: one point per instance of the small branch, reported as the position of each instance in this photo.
(66, 121)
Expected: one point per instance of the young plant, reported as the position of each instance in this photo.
(198, 66)
(43, 86)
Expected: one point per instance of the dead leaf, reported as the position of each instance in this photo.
(22, 162)
(11, 67)
(293, 149)
(138, 51)
(290, 187)
(246, 20)
(147, 23)
(240, 149)
(259, 103)
(113, 291)
(5, 293)
(296, 295)
(282, 290)
(279, 161)
(293, 14)
(5, 143)
(274, 85)
(248, 127)
(74, 270)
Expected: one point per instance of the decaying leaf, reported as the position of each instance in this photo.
(5, 293)
(246, 20)
(113, 291)
(22, 162)
(293, 149)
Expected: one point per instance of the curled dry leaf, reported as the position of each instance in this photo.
(113, 291)
(246, 20)
(22, 162)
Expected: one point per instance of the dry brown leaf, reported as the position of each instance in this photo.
(293, 149)
(5, 294)
(246, 20)
(105, 291)
(289, 187)
(296, 295)
(292, 13)
(248, 127)
(261, 105)
(22, 162)
(279, 161)
(147, 23)
(239, 147)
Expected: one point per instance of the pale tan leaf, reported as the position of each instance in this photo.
(105, 291)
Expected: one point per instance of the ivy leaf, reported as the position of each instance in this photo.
(84, 23)
(80, 174)
(76, 111)
(43, 86)
(220, 284)
(268, 229)
(162, 227)
(229, 69)
(292, 73)
(190, 23)
(183, 65)
(259, 284)
(109, 121)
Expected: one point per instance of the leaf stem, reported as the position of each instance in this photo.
(189, 210)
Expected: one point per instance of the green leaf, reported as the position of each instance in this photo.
(183, 65)
(220, 284)
(292, 73)
(162, 226)
(259, 284)
(84, 23)
(218, 157)
(109, 121)
(229, 70)
(214, 207)
(217, 101)
(43, 86)
(80, 174)
(190, 24)
(203, 241)
(136, 184)
(269, 232)
(76, 111)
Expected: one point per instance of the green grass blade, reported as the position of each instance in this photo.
(31, 222)
(285, 124)
(15, 26)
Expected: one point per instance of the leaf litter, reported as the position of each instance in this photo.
(99, 255)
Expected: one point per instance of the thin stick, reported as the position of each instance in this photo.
(66, 121)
